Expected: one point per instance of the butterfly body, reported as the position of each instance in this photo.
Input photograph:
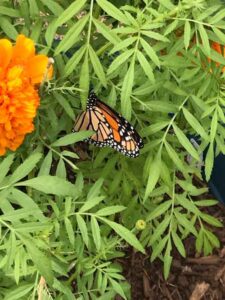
(110, 128)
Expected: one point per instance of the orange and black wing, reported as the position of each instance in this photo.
(111, 129)
(125, 138)
(94, 120)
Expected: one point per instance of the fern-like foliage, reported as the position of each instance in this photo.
(66, 215)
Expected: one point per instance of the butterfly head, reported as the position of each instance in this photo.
(92, 98)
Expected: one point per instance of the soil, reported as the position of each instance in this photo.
(194, 277)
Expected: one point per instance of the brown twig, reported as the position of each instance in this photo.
(199, 291)
(206, 260)
(41, 286)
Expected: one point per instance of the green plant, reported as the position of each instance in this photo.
(66, 219)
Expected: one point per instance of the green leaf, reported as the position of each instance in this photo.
(170, 28)
(198, 101)
(199, 241)
(153, 177)
(74, 61)
(213, 128)
(19, 292)
(219, 16)
(187, 204)
(126, 92)
(50, 185)
(123, 44)
(113, 11)
(83, 229)
(189, 74)
(159, 230)
(41, 261)
(156, 127)
(50, 33)
(64, 289)
(5, 166)
(127, 235)
(72, 138)
(46, 165)
(28, 203)
(53, 6)
(145, 66)
(204, 38)
(211, 220)
(209, 162)
(36, 31)
(158, 248)
(195, 124)
(210, 11)
(185, 142)
(8, 28)
(92, 202)
(31, 227)
(117, 288)
(160, 106)
(68, 206)
(159, 210)
(168, 4)
(119, 61)
(220, 114)
(187, 34)
(26, 167)
(150, 52)
(178, 243)
(65, 104)
(182, 220)
(219, 33)
(72, 35)
(214, 55)
(96, 233)
(17, 267)
(9, 12)
(69, 230)
(207, 202)
(175, 157)
(20, 213)
(212, 238)
(95, 189)
(33, 7)
(84, 81)
(167, 259)
(110, 210)
(207, 246)
(98, 68)
(155, 35)
(175, 89)
(106, 31)
(70, 12)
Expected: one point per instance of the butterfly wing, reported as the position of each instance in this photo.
(122, 125)
(94, 120)
(125, 138)
(111, 129)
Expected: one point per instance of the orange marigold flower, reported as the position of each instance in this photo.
(220, 49)
(20, 70)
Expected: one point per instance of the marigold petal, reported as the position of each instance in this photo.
(5, 53)
(23, 50)
(20, 70)
(37, 69)
(216, 46)
(2, 151)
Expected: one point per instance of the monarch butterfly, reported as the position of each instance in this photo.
(111, 129)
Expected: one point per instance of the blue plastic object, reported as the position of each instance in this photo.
(217, 180)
